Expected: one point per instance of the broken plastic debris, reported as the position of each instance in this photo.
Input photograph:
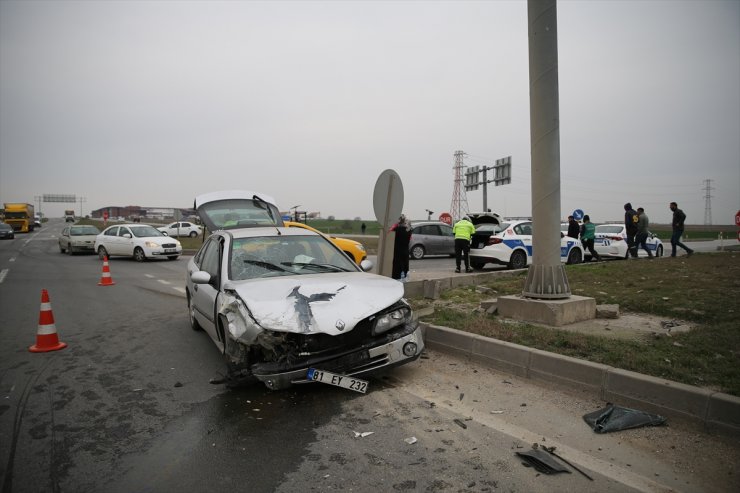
(410, 440)
(460, 424)
(497, 412)
(542, 461)
(363, 434)
(615, 418)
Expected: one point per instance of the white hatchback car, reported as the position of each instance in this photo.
(512, 246)
(182, 228)
(140, 241)
(611, 241)
(285, 305)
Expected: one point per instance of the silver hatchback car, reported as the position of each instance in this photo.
(431, 238)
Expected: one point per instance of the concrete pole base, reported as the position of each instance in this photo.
(549, 312)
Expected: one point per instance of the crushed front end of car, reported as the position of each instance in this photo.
(274, 333)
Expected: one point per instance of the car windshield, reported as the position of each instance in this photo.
(145, 231)
(83, 230)
(239, 213)
(605, 228)
(5, 226)
(270, 256)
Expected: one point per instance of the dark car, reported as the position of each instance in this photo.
(6, 232)
(431, 238)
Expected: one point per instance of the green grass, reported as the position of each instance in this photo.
(703, 289)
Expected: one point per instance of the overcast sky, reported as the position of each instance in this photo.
(152, 102)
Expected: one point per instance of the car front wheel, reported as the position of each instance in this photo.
(102, 253)
(61, 249)
(193, 234)
(70, 251)
(518, 260)
(417, 252)
(139, 255)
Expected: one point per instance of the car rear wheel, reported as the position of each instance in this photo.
(417, 252)
(193, 234)
(659, 251)
(139, 255)
(518, 260)
(172, 257)
(477, 265)
(575, 256)
(102, 253)
(191, 315)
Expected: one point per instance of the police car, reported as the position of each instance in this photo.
(611, 241)
(512, 246)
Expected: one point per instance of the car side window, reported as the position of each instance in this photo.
(65, 232)
(523, 229)
(112, 232)
(210, 258)
(123, 231)
(446, 230)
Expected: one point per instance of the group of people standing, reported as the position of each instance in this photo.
(636, 223)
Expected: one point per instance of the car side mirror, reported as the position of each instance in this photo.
(367, 265)
(127, 235)
(200, 277)
(165, 233)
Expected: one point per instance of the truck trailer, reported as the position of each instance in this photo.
(20, 216)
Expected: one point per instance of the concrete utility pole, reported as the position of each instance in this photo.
(546, 277)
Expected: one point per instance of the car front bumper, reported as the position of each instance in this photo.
(360, 361)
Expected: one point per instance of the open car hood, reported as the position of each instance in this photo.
(322, 303)
(234, 209)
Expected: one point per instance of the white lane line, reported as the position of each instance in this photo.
(3, 273)
(149, 276)
(179, 289)
(163, 281)
(12, 259)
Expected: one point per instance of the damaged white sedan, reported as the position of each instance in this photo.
(282, 302)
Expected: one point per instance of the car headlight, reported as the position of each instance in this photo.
(389, 320)
(152, 244)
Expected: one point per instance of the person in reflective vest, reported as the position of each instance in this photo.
(463, 231)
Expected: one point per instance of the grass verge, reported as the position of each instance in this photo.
(703, 289)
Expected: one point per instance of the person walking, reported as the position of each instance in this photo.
(588, 235)
(630, 225)
(677, 226)
(400, 269)
(363, 228)
(463, 231)
(642, 232)
(573, 227)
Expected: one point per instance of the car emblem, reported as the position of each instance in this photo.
(339, 325)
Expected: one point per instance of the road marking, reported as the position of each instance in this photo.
(3, 273)
(12, 259)
(180, 290)
(163, 281)
(149, 276)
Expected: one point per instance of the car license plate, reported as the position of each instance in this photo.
(169, 250)
(343, 381)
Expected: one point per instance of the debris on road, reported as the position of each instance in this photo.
(616, 418)
(460, 424)
(410, 440)
(362, 434)
(551, 451)
(542, 461)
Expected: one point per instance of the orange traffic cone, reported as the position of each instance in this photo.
(46, 336)
(106, 279)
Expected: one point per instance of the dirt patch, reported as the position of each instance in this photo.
(630, 326)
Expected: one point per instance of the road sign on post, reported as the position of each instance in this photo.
(446, 218)
(387, 204)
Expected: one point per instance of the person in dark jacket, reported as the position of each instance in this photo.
(643, 223)
(677, 225)
(573, 227)
(400, 268)
(630, 225)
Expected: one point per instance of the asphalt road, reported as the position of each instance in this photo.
(128, 406)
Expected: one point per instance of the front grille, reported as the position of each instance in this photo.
(169, 245)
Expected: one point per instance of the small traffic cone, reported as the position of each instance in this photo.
(46, 336)
(106, 279)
